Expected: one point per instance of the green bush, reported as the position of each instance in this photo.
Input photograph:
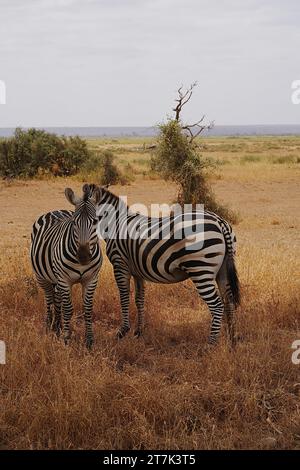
(101, 167)
(36, 151)
(177, 158)
(111, 174)
(92, 168)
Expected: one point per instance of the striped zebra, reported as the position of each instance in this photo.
(64, 251)
(158, 250)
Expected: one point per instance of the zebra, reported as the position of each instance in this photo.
(64, 251)
(168, 259)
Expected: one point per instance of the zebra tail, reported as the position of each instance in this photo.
(230, 264)
(233, 280)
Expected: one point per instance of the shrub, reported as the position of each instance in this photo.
(102, 167)
(34, 151)
(92, 168)
(285, 159)
(111, 174)
(128, 174)
(75, 153)
(177, 159)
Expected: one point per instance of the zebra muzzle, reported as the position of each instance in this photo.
(84, 254)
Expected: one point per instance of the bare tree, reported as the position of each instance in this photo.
(193, 130)
(183, 98)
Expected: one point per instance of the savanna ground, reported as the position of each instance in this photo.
(163, 390)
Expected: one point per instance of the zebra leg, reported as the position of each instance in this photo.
(49, 296)
(229, 309)
(139, 301)
(122, 277)
(88, 295)
(57, 311)
(230, 320)
(208, 292)
(67, 308)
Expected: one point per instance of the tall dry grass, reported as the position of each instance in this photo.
(164, 390)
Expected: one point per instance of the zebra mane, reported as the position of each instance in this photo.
(113, 197)
(87, 191)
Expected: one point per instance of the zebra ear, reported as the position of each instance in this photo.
(69, 193)
(97, 195)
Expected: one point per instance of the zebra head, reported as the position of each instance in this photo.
(84, 221)
(112, 211)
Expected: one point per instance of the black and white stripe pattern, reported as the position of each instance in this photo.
(151, 250)
(64, 251)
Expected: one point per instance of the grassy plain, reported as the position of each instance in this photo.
(164, 390)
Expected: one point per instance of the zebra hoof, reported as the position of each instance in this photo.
(207, 349)
(57, 330)
(138, 333)
(210, 346)
(89, 343)
(122, 332)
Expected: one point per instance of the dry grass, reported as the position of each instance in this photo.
(165, 390)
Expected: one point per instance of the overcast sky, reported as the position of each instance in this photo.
(119, 62)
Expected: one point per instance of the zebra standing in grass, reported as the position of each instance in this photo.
(158, 250)
(64, 251)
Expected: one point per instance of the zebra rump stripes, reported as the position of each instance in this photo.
(196, 245)
(64, 251)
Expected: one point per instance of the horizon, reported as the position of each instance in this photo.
(217, 131)
(145, 127)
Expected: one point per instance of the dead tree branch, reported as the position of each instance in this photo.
(196, 129)
(183, 98)
(193, 130)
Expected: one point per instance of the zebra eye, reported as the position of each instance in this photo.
(95, 221)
